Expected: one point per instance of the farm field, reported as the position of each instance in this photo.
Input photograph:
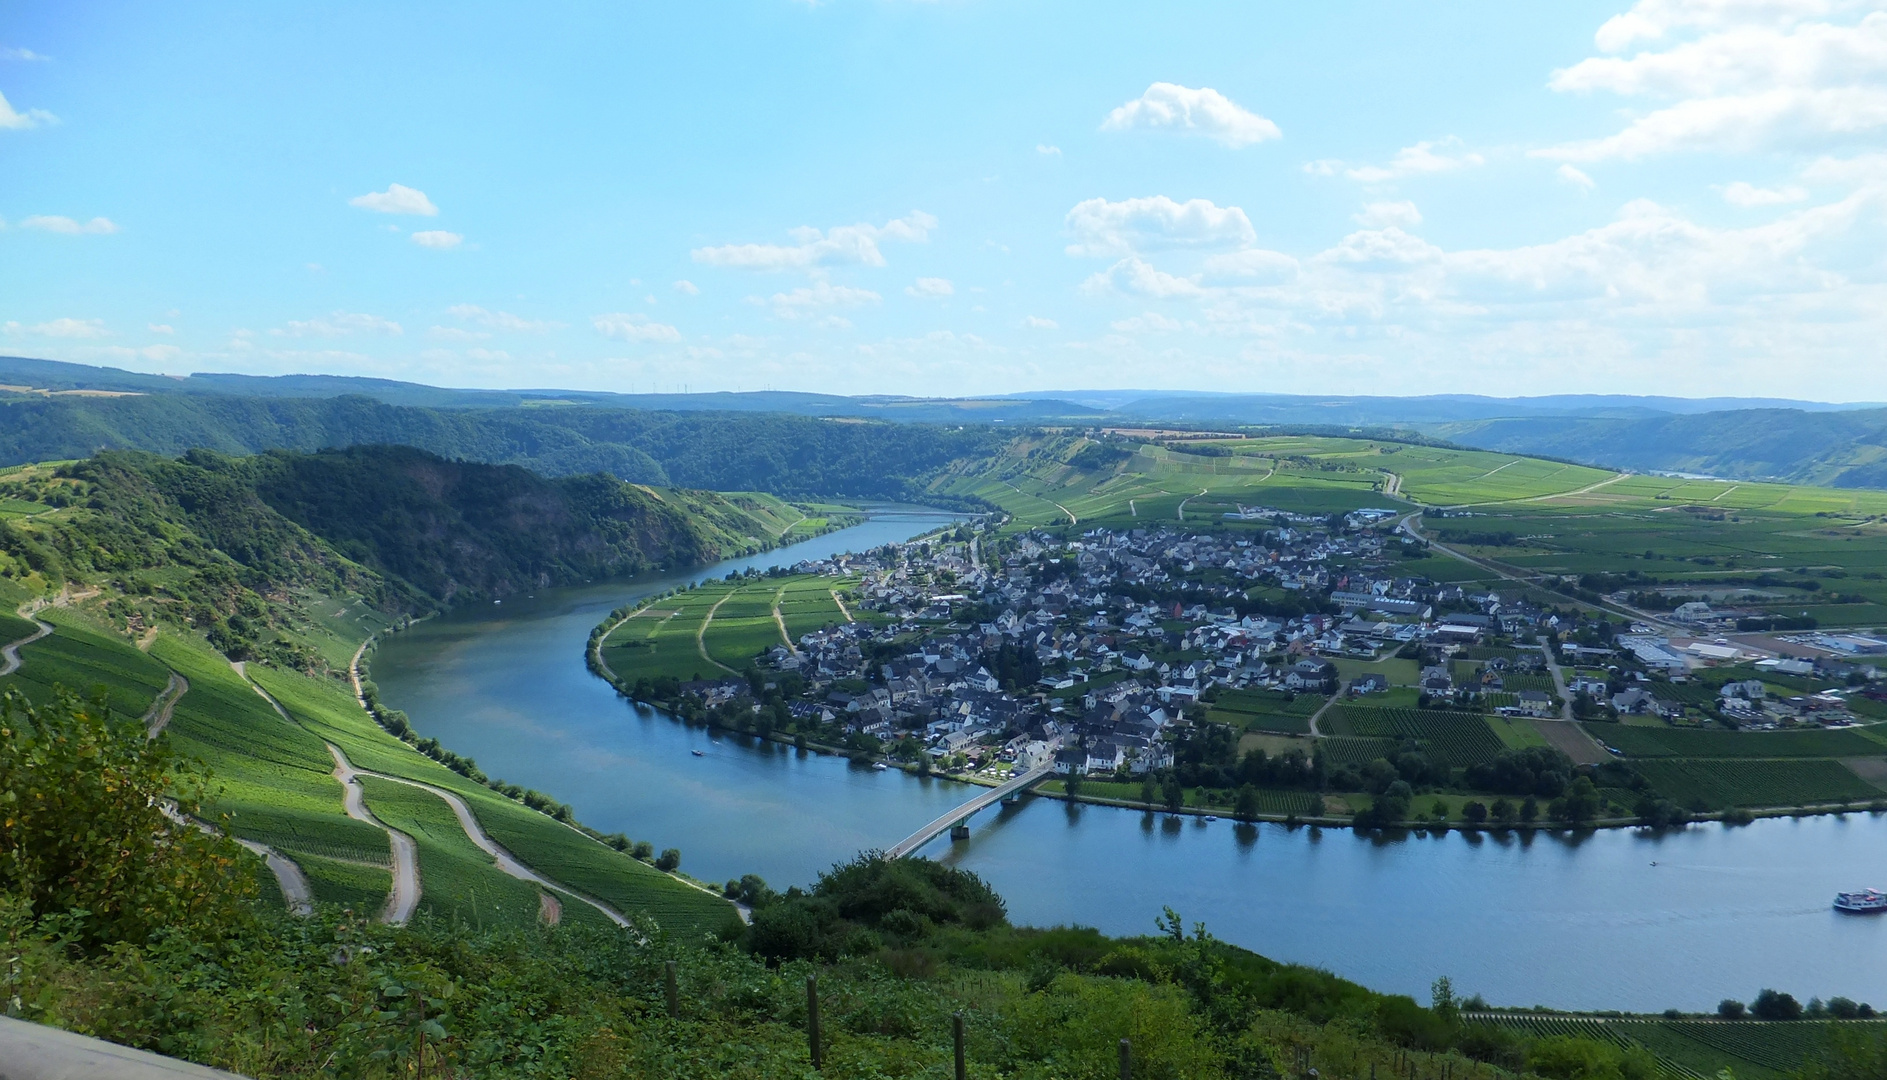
(1458, 739)
(1716, 785)
(667, 637)
(1643, 742)
(1762, 1050)
(458, 882)
(1263, 710)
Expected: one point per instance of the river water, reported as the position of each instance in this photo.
(1616, 919)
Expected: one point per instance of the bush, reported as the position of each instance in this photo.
(86, 836)
(669, 860)
(1730, 1009)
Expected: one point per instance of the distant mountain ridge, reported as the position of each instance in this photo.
(777, 441)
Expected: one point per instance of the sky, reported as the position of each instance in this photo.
(956, 197)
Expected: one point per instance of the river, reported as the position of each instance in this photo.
(1613, 920)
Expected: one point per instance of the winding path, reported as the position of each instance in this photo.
(1184, 501)
(701, 635)
(158, 718)
(403, 897)
(294, 883)
(12, 652)
(476, 834)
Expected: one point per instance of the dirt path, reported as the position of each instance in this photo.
(701, 635)
(288, 876)
(1184, 501)
(403, 897)
(780, 621)
(843, 610)
(158, 718)
(12, 652)
(476, 834)
(1568, 494)
(789, 527)
(1319, 714)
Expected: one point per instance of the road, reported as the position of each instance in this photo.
(403, 897)
(1559, 679)
(293, 882)
(701, 636)
(988, 798)
(1187, 499)
(1319, 714)
(158, 718)
(12, 652)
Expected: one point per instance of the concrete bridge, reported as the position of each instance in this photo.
(987, 798)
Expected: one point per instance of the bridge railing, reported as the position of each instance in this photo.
(35, 1052)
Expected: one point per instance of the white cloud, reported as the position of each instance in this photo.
(396, 199)
(844, 244)
(1151, 320)
(1746, 76)
(1036, 322)
(438, 239)
(634, 328)
(58, 223)
(1169, 106)
(339, 324)
(931, 288)
(1747, 195)
(20, 121)
(457, 333)
(1047, 151)
(820, 294)
(501, 320)
(687, 288)
(161, 328)
(22, 54)
(1576, 177)
(1423, 159)
(1252, 263)
(487, 354)
(1377, 214)
(1101, 228)
(1137, 277)
(67, 328)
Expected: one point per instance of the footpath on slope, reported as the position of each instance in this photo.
(157, 717)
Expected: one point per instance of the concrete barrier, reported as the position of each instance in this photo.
(36, 1052)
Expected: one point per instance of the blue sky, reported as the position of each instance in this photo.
(956, 196)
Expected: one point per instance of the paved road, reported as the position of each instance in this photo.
(404, 896)
(11, 652)
(158, 718)
(293, 882)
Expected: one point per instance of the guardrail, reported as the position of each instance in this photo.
(35, 1052)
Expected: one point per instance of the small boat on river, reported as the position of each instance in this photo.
(698, 753)
(1865, 902)
(880, 766)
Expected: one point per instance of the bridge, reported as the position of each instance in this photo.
(990, 797)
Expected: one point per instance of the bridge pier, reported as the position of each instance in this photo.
(960, 831)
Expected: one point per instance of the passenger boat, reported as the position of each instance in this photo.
(1865, 902)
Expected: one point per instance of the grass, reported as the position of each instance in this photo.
(457, 880)
(82, 657)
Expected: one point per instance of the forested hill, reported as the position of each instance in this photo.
(241, 546)
(785, 455)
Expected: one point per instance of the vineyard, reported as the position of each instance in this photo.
(1751, 1049)
(1345, 750)
(1264, 710)
(1722, 784)
(1639, 742)
(1459, 739)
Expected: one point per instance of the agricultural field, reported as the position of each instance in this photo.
(86, 659)
(1750, 1049)
(1719, 785)
(1641, 742)
(1459, 739)
(1265, 710)
(1354, 750)
(731, 622)
(458, 882)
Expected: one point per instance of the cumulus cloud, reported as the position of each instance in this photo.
(65, 226)
(11, 118)
(1150, 321)
(501, 320)
(1748, 195)
(1137, 277)
(1036, 322)
(457, 333)
(1378, 214)
(1046, 150)
(339, 324)
(396, 199)
(1254, 264)
(438, 239)
(1171, 107)
(22, 54)
(687, 288)
(812, 247)
(931, 288)
(1576, 177)
(1101, 228)
(1735, 77)
(160, 328)
(634, 328)
(795, 303)
(1424, 158)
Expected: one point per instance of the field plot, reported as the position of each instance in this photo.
(1752, 1049)
(360, 886)
(1640, 742)
(86, 660)
(743, 626)
(457, 881)
(664, 638)
(1742, 782)
(807, 604)
(1453, 477)
(1352, 750)
(1263, 710)
(1459, 739)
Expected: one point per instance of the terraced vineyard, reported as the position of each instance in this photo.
(1460, 739)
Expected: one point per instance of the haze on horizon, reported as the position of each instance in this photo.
(1673, 197)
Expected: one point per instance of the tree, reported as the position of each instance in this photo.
(1072, 785)
(1730, 1009)
(87, 834)
(1245, 806)
(1475, 812)
(1775, 1005)
(1579, 805)
(1503, 811)
(669, 860)
(1171, 791)
(1529, 810)
(1149, 790)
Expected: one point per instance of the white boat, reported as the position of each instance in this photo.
(1865, 902)
(880, 766)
